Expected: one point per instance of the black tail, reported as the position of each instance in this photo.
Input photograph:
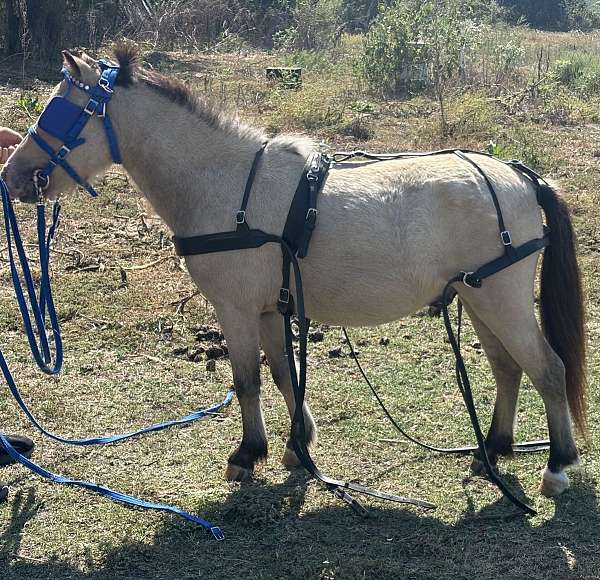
(562, 307)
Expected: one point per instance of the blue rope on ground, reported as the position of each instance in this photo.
(43, 307)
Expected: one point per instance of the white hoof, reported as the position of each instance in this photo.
(554, 484)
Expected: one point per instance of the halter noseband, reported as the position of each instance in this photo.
(65, 120)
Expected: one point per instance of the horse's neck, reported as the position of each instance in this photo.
(193, 174)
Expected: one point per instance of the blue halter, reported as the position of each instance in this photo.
(65, 120)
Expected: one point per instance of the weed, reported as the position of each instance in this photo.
(31, 106)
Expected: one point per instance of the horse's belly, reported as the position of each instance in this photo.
(365, 299)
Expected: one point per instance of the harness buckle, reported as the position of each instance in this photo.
(240, 217)
(505, 237)
(311, 217)
(63, 152)
(284, 296)
(104, 84)
(91, 107)
(470, 282)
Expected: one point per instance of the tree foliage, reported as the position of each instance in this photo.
(554, 14)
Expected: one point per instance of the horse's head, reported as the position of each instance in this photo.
(54, 149)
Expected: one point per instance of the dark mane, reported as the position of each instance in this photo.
(128, 58)
(173, 89)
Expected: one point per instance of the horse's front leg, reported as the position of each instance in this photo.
(241, 330)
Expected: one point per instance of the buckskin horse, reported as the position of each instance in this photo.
(390, 236)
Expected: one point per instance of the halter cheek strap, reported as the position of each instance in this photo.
(100, 95)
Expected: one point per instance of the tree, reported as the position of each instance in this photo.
(553, 14)
(409, 32)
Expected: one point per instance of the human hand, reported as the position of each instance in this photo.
(9, 140)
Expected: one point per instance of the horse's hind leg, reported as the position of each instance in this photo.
(507, 374)
(242, 334)
(273, 342)
(505, 306)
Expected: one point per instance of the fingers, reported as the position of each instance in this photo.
(5, 153)
(8, 137)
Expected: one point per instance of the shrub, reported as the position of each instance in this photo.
(579, 71)
(315, 24)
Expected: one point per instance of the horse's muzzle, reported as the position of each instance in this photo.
(20, 185)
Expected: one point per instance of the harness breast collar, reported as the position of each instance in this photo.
(65, 120)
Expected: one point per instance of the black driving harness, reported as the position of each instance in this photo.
(294, 242)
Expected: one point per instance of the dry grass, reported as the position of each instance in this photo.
(122, 371)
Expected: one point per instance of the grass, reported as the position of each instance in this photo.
(124, 369)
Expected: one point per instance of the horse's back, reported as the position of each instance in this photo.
(390, 234)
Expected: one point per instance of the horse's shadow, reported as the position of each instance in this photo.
(274, 532)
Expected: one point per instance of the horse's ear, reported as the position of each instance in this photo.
(72, 63)
(88, 59)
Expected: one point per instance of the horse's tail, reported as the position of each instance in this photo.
(561, 301)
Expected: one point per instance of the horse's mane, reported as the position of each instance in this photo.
(176, 91)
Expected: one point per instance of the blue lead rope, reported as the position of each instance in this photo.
(43, 307)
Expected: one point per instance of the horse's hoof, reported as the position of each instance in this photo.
(478, 468)
(554, 484)
(238, 473)
(290, 459)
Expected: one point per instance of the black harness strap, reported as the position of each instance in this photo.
(504, 233)
(474, 279)
(294, 244)
(240, 218)
(222, 242)
(338, 488)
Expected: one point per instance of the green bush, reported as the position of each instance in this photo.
(579, 71)
(315, 24)
(390, 49)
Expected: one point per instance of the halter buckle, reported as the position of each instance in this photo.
(41, 181)
(105, 85)
(63, 152)
(90, 110)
